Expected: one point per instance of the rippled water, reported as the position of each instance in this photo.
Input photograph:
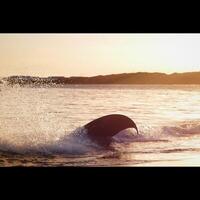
(43, 126)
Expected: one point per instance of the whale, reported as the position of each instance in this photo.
(101, 130)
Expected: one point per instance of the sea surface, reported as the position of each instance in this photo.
(43, 126)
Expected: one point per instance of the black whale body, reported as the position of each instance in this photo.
(104, 128)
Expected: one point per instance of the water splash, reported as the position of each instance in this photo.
(42, 120)
(184, 129)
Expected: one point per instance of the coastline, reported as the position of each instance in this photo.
(143, 78)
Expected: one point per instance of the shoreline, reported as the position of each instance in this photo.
(143, 78)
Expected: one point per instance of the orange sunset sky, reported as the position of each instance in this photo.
(94, 54)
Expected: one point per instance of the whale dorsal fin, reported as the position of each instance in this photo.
(107, 126)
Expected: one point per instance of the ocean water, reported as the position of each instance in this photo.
(43, 126)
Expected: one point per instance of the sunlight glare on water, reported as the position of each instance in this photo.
(39, 117)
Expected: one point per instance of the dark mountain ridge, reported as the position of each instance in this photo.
(125, 78)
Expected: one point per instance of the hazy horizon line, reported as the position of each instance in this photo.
(104, 74)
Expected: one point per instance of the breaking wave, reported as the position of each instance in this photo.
(183, 129)
(78, 143)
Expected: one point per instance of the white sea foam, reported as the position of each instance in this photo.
(43, 119)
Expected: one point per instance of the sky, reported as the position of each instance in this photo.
(95, 54)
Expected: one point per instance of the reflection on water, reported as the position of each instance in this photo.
(36, 125)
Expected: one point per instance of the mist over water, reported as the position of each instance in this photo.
(43, 126)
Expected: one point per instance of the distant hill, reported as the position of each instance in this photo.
(125, 78)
